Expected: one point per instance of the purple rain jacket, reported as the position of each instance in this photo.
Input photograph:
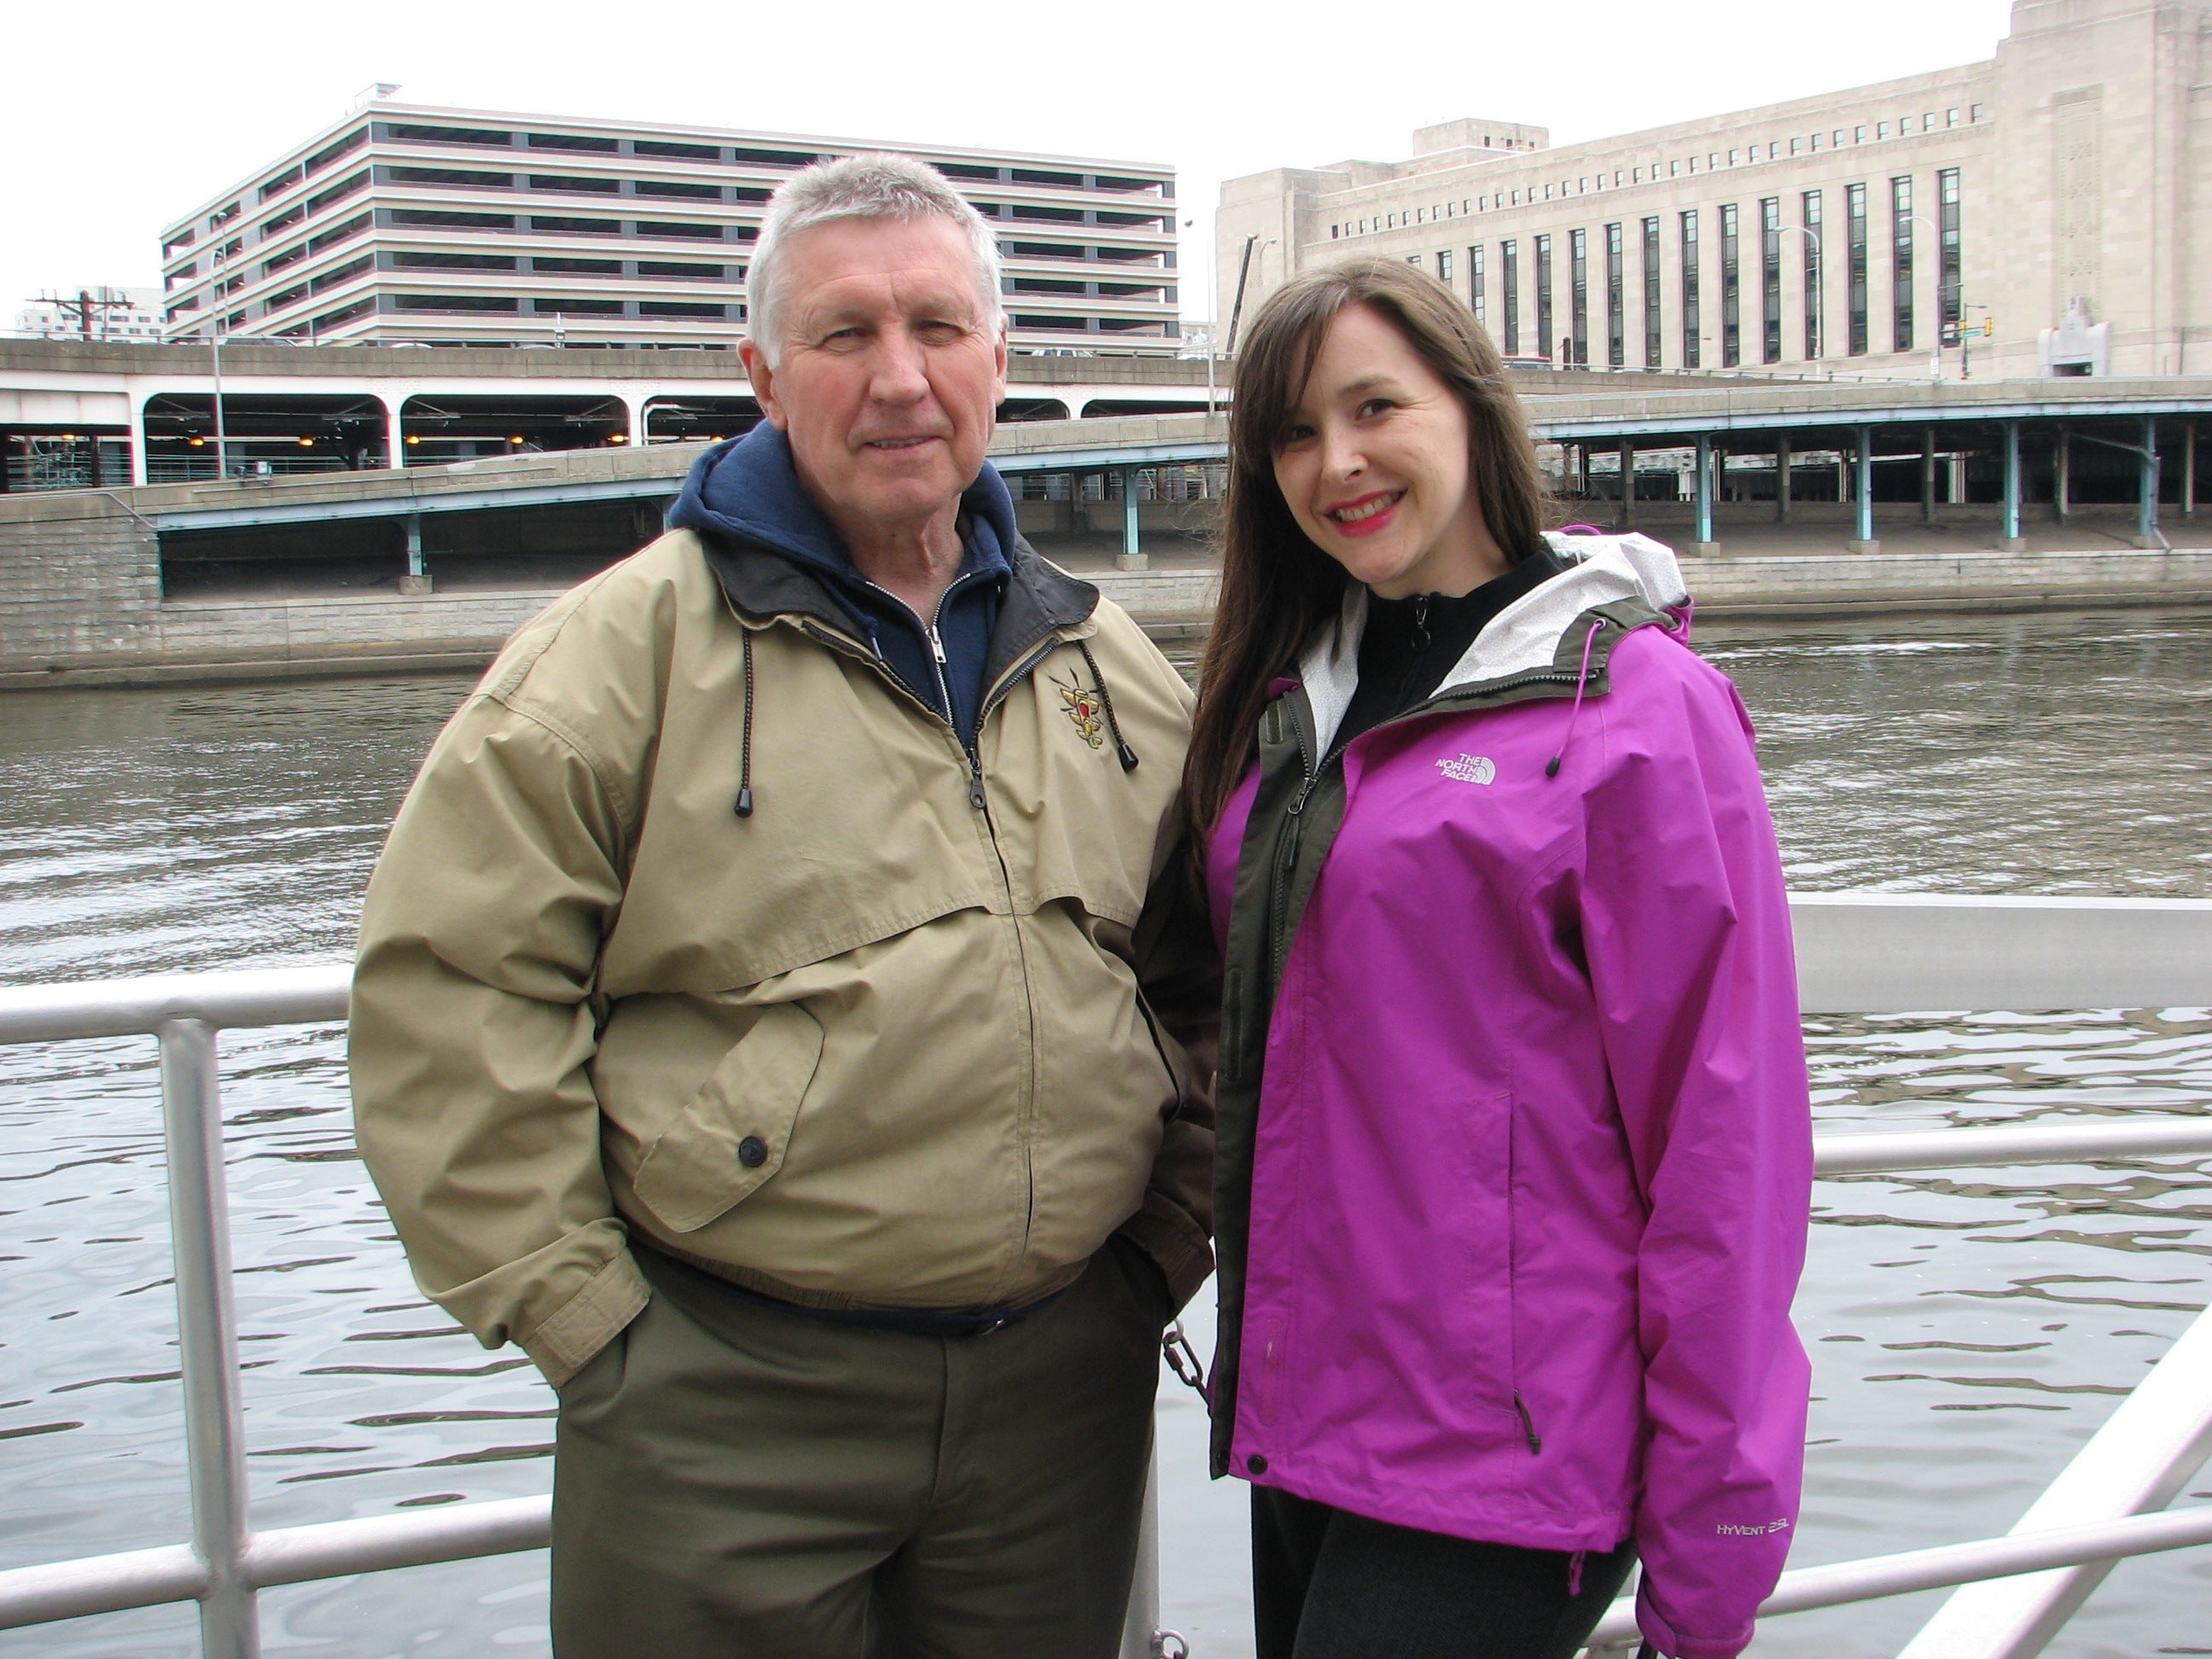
(1515, 1145)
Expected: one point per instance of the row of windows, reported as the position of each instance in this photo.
(1739, 335)
(1714, 161)
(573, 144)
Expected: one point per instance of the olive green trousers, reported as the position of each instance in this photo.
(738, 1480)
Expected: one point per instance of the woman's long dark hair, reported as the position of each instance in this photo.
(1277, 589)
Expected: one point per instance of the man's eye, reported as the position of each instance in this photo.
(938, 328)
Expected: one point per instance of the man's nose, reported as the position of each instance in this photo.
(898, 376)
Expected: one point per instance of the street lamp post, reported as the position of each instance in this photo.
(1813, 237)
(1936, 351)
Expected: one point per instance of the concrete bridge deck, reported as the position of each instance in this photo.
(434, 565)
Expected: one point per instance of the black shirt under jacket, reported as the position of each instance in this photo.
(1409, 645)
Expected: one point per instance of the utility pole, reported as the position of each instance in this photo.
(86, 308)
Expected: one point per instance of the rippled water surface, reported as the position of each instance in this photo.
(1971, 1328)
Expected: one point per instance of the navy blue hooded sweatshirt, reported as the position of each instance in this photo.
(746, 489)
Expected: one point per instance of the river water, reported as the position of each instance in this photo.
(1970, 1329)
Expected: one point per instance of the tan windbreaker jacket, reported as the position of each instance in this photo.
(874, 1045)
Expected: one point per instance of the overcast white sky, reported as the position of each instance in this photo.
(118, 118)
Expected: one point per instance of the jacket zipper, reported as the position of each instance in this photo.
(1527, 1425)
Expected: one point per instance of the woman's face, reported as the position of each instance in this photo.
(1374, 466)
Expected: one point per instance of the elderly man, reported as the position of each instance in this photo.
(776, 1009)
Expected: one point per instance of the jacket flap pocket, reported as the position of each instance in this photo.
(734, 1133)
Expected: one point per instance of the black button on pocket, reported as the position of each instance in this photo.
(753, 1151)
(1256, 1463)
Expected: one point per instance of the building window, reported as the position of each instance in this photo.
(1578, 298)
(1444, 267)
(1881, 130)
(1693, 355)
(1651, 340)
(1813, 341)
(1475, 296)
(1814, 143)
(1859, 133)
(1731, 288)
(1900, 242)
(1616, 300)
(1974, 112)
(1508, 262)
(1854, 214)
(1950, 117)
(1770, 280)
(1544, 296)
(1950, 301)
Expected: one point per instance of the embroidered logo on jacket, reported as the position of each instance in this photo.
(1467, 768)
(1084, 709)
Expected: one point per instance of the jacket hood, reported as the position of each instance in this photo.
(746, 489)
(1525, 637)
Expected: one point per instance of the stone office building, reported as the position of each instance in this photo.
(404, 224)
(2033, 214)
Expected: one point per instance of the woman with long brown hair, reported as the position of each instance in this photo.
(1514, 1145)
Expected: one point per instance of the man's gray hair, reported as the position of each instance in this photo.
(873, 187)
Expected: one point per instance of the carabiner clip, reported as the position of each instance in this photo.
(1182, 1358)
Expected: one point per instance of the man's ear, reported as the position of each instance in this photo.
(763, 380)
(999, 358)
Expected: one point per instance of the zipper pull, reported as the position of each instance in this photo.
(936, 643)
(975, 783)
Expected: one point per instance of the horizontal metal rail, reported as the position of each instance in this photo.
(1858, 952)
(1803, 1588)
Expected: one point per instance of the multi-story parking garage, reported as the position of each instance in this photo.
(405, 224)
(2049, 196)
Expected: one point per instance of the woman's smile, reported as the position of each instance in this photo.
(1368, 514)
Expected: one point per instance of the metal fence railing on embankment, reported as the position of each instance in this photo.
(1858, 953)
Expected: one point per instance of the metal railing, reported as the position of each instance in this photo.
(1857, 953)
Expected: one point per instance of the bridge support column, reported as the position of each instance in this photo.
(1782, 480)
(1927, 475)
(2188, 469)
(1132, 556)
(2062, 476)
(395, 453)
(418, 579)
(2147, 531)
(138, 439)
(1703, 543)
(1627, 485)
(634, 410)
(1862, 464)
(2009, 539)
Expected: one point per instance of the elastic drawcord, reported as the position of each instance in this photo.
(1106, 701)
(1574, 1573)
(1684, 614)
(744, 808)
(1582, 683)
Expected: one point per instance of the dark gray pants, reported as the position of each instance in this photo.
(1330, 1584)
(741, 1481)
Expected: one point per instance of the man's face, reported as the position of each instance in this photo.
(891, 370)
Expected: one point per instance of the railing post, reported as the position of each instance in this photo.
(207, 1333)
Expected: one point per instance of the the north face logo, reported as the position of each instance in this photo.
(1467, 768)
